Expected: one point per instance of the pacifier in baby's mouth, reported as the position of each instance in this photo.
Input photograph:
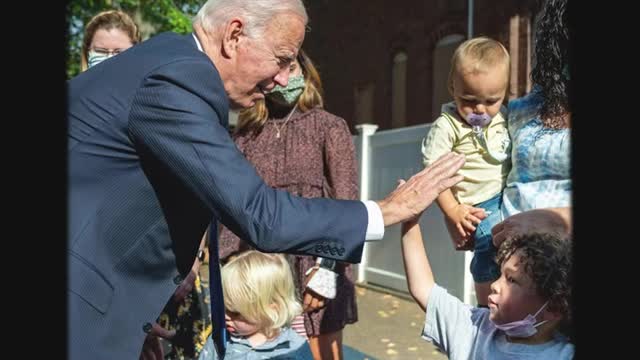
(478, 121)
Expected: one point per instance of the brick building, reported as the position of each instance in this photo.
(386, 62)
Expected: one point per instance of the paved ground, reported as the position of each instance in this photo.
(389, 327)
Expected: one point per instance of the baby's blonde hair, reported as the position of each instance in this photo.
(477, 55)
(260, 288)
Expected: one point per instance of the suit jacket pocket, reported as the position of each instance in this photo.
(86, 282)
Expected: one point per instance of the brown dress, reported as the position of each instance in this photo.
(313, 157)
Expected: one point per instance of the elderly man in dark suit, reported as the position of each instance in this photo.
(151, 164)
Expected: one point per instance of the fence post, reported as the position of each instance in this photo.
(364, 131)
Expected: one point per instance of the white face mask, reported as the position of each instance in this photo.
(96, 58)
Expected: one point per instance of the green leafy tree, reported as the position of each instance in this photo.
(152, 16)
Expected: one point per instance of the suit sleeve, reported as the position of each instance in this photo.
(176, 119)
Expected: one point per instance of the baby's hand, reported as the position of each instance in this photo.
(460, 221)
(461, 242)
(465, 218)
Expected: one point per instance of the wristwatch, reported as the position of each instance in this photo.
(201, 255)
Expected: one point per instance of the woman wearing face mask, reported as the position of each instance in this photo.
(107, 34)
(299, 147)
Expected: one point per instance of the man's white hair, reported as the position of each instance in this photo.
(255, 13)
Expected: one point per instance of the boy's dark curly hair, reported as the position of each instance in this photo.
(547, 259)
(552, 55)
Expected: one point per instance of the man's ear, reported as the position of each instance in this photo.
(232, 36)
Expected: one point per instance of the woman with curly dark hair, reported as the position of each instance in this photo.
(537, 196)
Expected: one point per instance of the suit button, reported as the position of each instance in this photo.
(147, 327)
(177, 280)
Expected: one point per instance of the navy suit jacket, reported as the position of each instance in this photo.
(150, 164)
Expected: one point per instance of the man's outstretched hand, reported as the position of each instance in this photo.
(411, 198)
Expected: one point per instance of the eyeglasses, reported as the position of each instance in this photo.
(106, 52)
